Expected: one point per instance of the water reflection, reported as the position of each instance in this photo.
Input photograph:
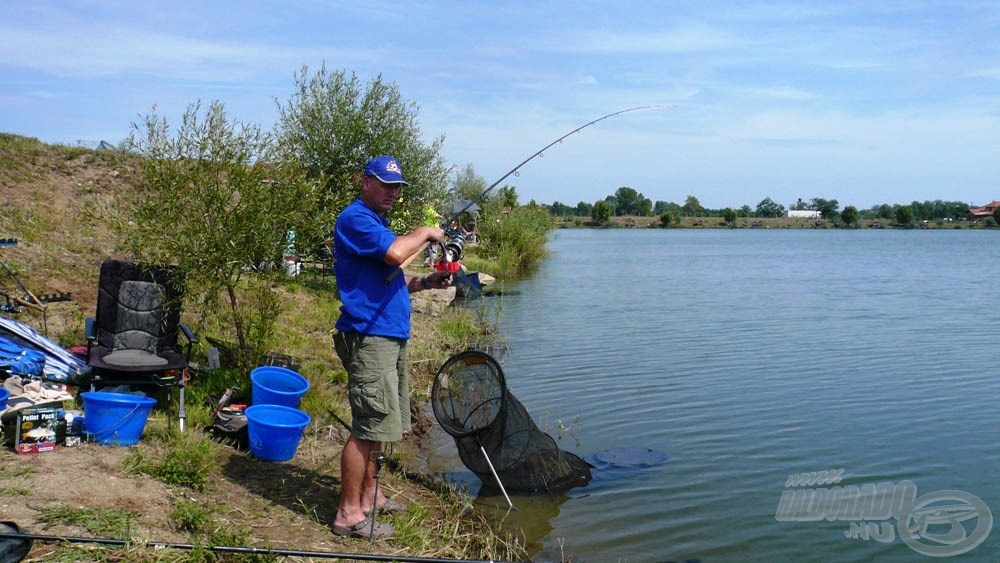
(529, 521)
(533, 516)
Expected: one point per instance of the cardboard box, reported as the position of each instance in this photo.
(36, 430)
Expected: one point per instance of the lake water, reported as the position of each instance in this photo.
(747, 356)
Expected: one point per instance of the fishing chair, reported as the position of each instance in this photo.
(133, 339)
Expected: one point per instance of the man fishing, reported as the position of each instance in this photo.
(371, 336)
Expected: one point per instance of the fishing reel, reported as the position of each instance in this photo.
(452, 250)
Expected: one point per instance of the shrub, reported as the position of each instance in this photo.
(189, 517)
(514, 240)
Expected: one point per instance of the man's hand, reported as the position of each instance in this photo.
(439, 280)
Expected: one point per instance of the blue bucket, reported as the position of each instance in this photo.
(275, 385)
(274, 431)
(4, 395)
(115, 418)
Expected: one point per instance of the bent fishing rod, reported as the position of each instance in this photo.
(538, 153)
(453, 248)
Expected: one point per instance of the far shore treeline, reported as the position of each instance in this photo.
(630, 208)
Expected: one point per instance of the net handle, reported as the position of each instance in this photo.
(495, 476)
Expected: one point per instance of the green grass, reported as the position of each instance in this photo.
(103, 522)
(189, 460)
(28, 150)
(15, 491)
(189, 516)
(471, 536)
(114, 524)
(14, 474)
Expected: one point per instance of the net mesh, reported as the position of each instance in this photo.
(472, 403)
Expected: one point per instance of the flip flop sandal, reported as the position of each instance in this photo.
(363, 529)
(392, 506)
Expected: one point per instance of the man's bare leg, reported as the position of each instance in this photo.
(355, 466)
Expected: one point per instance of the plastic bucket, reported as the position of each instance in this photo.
(115, 418)
(275, 385)
(274, 431)
(4, 395)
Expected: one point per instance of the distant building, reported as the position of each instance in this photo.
(803, 214)
(984, 211)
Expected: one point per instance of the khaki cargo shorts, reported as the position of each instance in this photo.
(378, 385)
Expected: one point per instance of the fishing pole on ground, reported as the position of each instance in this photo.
(379, 460)
(453, 247)
(15, 545)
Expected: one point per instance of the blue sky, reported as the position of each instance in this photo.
(862, 102)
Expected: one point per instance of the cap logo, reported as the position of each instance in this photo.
(391, 166)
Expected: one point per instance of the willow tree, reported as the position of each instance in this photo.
(468, 186)
(215, 198)
(331, 127)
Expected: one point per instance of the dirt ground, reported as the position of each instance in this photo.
(288, 505)
(285, 506)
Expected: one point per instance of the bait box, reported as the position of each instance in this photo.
(36, 430)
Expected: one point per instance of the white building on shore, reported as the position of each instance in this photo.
(803, 214)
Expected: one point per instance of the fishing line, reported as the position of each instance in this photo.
(539, 153)
(457, 239)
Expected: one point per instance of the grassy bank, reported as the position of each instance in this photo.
(187, 487)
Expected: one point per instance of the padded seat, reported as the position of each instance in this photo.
(133, 338)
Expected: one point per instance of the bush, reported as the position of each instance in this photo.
(515, 240)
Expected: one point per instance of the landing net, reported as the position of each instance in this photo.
(471, 402)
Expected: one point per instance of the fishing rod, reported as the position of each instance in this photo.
(16, 544)
(536, 155)
(455, 245)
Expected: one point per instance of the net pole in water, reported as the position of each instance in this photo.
(495, 476)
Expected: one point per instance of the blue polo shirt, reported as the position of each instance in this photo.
(361, 239)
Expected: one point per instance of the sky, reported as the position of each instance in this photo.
(863, 102)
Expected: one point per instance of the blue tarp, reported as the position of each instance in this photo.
(58, 363)
(18, 360)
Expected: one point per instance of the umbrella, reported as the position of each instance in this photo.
(464, 206)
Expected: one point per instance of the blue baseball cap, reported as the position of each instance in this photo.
(386, 168)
